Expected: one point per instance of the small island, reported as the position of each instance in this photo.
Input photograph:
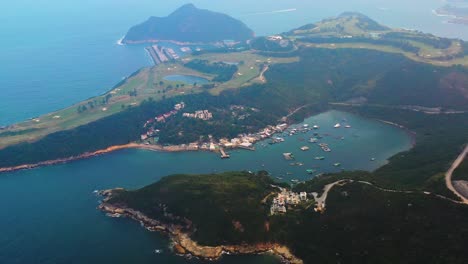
(188, 24)
(457, 12)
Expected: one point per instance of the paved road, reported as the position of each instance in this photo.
(448, 175)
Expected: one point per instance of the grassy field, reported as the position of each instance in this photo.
(249, 64)
(421, 57)
(147, 83)
(347, 30)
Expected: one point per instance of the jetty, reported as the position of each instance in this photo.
(161, 54)
(224, 155)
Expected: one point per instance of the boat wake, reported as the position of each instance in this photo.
(272, 12)
(120, 41)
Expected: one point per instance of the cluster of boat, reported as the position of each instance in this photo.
(338, 125)
(324, 147)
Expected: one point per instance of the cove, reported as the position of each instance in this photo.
(50, 216)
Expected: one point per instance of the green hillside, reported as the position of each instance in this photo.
(190, 24)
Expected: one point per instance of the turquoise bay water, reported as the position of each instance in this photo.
(50, 216)
(55, 53)
(188, 79)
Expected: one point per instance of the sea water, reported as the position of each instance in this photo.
(49, 214)
(56, 53)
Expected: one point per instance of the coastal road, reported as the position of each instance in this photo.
(448, 175)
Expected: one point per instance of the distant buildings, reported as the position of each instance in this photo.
(285, 198)
(200, 114)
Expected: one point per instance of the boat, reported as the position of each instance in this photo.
(158, 251)
(288, 156)
(320, 158)
(338, 125)
(310, 171)
(347, 126)
(337, 164)
(305, 148)
(315, 127)
(313, 140)
(372, 159)
(295, 180)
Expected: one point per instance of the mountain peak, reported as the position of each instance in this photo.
(190, 24)
(186, 7)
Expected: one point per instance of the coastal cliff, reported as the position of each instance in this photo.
(180, 237)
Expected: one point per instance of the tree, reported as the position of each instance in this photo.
(108, 96)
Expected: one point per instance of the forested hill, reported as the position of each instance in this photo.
(190, 24)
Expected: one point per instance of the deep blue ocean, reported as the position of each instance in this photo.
(54, 53)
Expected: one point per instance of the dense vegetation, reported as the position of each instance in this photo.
(361, 224)
(265, 44)
(190, 24)
(320, 77)
(438, 43)
(461, 173)
(222, 70)
(231, 198)
(366, 225)
(117, 129)
(397, 43)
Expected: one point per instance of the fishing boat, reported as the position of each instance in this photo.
(288, 156)
(305, 148)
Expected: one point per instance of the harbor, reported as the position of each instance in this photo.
(161, 54)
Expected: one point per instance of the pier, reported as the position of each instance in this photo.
(224, 155)
(161, 54)
(153, 55)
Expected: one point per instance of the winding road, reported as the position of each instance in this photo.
(448, 175)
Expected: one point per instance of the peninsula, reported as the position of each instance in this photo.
(189, 24)
(333, 218)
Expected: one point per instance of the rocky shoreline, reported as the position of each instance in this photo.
(184, 245)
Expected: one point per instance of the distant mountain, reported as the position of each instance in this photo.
(190, 24)
(350, 23)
